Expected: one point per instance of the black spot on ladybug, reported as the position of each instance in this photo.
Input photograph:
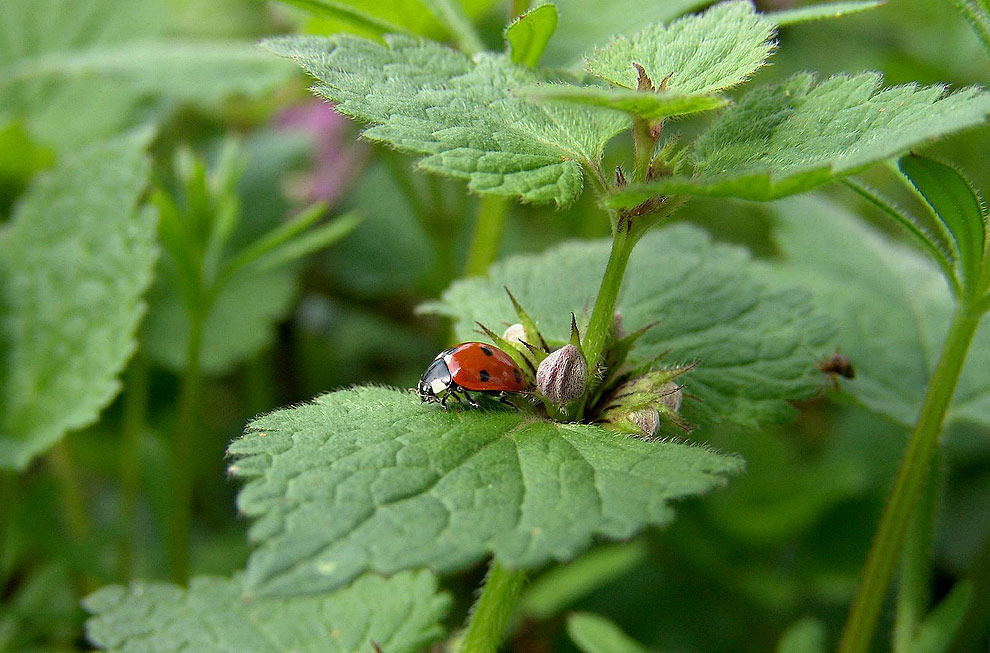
(518, 376)
(484, 375)
(487, 352)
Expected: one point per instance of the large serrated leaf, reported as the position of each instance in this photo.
(372, 479)
(892, 306)
(752, 343)
(700, 54)
(425, 98)
(789, 138)
(77, 256)
(399, 614)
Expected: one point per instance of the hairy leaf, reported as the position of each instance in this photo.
(425, 98)
(593, 633)
(528, 34)
(644, 104)
(399, 614)
(751, 343)
(77, 257)
(372, 479)
(819, 12)
(696, 54)
(785, 139)
(955, 202)
(892, 307)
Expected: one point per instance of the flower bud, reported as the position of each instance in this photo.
(515, 334)
(647, 419)
(563, 375)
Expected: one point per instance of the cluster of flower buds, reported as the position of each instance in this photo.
(639, 405)
(617, 397)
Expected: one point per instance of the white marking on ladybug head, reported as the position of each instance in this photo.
(438, 386)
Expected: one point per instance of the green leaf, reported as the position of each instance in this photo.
(892, 307)
(425, 98)
(375, 18)
(940, 625)
(593, 633)
(644, 104)
(819, 12)
(977, 14)
(785, 139)
(528, 34)
(399, 614)
(804, 636)
(752, 343)
(372, 479)
(701, 54)
(955, 202)
(77, 257)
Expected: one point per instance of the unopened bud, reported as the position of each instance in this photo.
(671, 395)
(515, 334)
(647, 419)
(563, 375)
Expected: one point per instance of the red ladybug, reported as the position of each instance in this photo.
(470, 366)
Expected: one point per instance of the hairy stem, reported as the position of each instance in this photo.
(915, 573)
(135, 411)
(493, 609)
(921, 449)
(643, 144)
(492, 212)
(603, 315)
(180, 512)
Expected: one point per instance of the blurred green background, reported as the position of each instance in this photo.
(784, 541)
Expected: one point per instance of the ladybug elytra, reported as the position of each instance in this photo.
(470, 366)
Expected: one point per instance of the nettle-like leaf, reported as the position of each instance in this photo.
(372, 479)
(892, 306)
(788, 138)
(77, 257)
(425, 98)
(751, 343)
(701, 54)
(399, 614)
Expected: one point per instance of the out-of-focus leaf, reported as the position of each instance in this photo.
(425, 98)
(821, 12)
(372, 479)
(789, 138)
(375, 18)
(700, 54)
(940, 625)
(596, 634)
(561, 586)
(528, 34)
(751, 343)
(804, 636)
(892, 307)
(400, 614)
(77, 257)
(977, 14)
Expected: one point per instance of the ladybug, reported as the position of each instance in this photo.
(470, 366)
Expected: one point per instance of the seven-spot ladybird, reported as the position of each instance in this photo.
(470, 366)
(836, 366)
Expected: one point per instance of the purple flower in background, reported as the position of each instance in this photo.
(336, 158)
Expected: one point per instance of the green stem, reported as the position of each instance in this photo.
(915, 574)
(70, 489)
(492, 211)
(603, 315)
(180, 512)
(135, 412)
(643, 145)
(493, 609)
(921, 449)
